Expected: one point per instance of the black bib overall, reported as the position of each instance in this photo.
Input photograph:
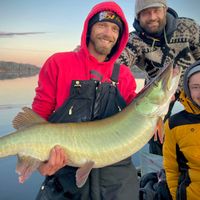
(90, 100)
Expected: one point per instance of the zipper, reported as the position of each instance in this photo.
(70, 110)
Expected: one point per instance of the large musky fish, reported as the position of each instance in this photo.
(91, 144)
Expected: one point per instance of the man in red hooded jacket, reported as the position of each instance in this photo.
(85, 86)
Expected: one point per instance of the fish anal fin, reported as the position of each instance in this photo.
(83, 172)
(26, 165)
(26, 119)
(159, 130)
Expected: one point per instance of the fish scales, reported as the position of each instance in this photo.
(104, 142)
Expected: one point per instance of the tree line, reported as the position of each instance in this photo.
(11, 70)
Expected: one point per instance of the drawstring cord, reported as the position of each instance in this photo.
(165, 37)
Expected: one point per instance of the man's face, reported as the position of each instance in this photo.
(194, 86)
(103, 37)
(153, 20)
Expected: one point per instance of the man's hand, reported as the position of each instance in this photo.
(57, 160)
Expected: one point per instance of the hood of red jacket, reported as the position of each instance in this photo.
(104, 6)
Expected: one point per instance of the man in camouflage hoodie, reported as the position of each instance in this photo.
(160, 37)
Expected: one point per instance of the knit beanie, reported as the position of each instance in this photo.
(107, 16)
(143, 4)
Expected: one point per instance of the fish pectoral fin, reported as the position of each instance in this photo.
(83, 172)
(159, 130)
(26, 119)
(26, 165)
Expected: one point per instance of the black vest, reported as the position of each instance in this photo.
(90, 100)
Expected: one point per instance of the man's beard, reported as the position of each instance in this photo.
(99, 48)
(159, 30)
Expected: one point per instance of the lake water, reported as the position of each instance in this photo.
(14, 94)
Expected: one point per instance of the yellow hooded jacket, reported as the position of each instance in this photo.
(181, 152)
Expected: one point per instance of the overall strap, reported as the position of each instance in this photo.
(115, 73)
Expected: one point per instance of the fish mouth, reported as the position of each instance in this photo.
(163, 85)
(168, 75)
(165, 75)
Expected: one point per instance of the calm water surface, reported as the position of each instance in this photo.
(14, 94)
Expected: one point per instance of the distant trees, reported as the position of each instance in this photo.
(11, 70)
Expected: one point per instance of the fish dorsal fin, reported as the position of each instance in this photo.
(26, 119)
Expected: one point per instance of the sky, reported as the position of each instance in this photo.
(33, 30)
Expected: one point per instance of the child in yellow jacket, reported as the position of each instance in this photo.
(181, 150)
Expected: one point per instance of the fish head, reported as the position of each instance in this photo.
(155, 97)
(164, 85)
(170, 78)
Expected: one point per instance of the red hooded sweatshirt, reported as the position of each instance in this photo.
(60, 69)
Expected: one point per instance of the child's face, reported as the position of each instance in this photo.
(194, 86)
